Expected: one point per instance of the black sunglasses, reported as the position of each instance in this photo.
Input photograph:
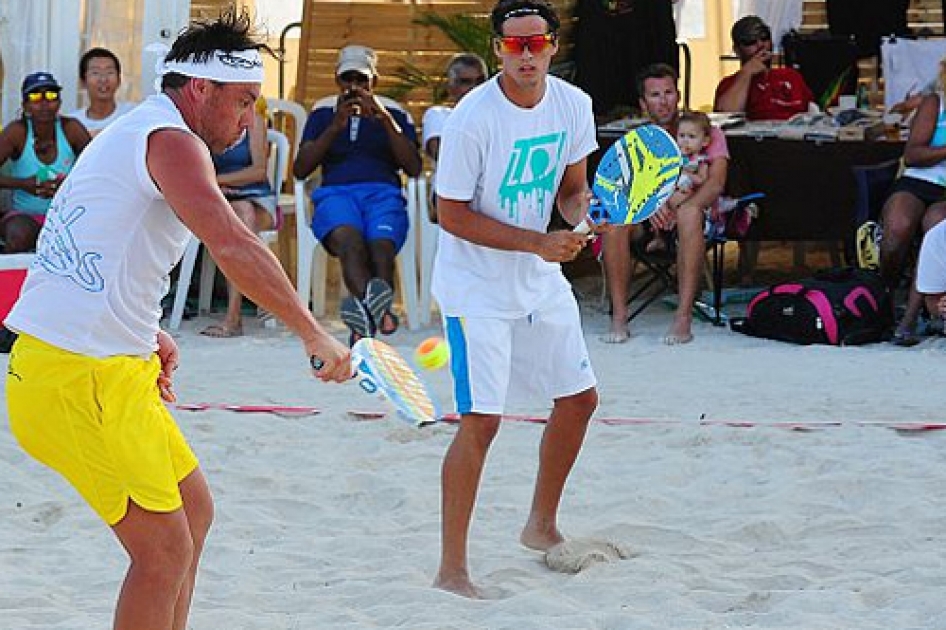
(752, 41)
(353, 76)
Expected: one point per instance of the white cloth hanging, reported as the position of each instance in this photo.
(38, 35)
(909, 66)
(50, 35)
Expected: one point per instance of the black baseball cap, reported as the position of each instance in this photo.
(750, 29)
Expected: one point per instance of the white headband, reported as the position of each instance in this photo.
(237, 66)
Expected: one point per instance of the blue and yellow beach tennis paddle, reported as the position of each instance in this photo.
(635, 177)
(382, 371)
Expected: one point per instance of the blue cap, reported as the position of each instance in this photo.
(39, 81)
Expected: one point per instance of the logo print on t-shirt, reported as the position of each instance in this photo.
(58, 254)
(529, 182)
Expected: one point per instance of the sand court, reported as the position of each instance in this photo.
(731, 482)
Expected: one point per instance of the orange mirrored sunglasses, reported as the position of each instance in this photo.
(36, 97)
(515, 44)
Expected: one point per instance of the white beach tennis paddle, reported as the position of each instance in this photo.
(382, 371)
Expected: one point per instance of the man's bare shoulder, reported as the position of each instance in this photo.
(175, 154)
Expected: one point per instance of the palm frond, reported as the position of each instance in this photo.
(470, 33)
(409, 77)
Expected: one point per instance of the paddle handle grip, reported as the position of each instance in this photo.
(587, 224)
(584, 227)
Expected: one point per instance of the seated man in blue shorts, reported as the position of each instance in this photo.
(361, 141)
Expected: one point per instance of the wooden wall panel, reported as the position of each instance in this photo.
(386, 26)
(924, 17)
(206, 9)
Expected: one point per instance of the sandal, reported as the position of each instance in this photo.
(356, 317)
(904, 338)
(378, 299)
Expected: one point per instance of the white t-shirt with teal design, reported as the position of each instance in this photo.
(508, 162)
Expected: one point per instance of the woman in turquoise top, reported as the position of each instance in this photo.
(37, 151)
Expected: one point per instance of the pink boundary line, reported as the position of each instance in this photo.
(454, 418)
(741, 424)
(277, 409)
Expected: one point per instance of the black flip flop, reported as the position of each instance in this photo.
(378, 299)
(356, 317)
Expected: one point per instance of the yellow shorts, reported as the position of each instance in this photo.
(101, 424)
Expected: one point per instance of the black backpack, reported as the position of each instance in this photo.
(838, 307)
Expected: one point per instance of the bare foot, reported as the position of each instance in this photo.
(620, 329)
(458, 585)
(615, 336)
(540, 536)
(389, 323)
(679, 332)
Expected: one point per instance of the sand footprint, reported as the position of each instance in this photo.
(573, 556)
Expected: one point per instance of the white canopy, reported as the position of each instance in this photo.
(38, 35)
(51, 35)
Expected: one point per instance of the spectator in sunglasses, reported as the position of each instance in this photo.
(464, 72)
(758, 89)
(40, 148)
(363, 142)
(101, 75)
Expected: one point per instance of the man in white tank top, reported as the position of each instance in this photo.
(86, 381)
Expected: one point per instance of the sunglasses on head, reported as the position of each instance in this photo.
(516, 44)
(36, 97)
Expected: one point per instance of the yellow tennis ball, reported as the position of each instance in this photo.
(432, 353)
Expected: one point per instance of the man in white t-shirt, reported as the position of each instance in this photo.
(100, 73)
(89, 373)
(513, 150)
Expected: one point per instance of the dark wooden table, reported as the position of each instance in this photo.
(809, 186)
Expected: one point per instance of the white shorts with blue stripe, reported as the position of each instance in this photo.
(539, 357)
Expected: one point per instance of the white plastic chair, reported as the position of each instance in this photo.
(278, 169)
(292, 109)
(295, 111)
(312, 259)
